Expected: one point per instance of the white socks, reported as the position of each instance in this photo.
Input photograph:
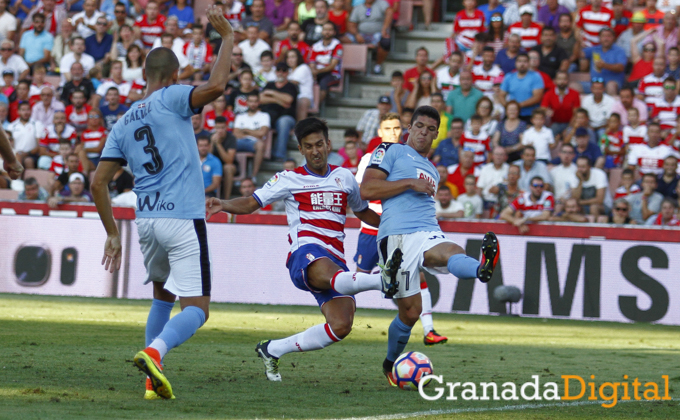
(315, 338)
(426, 314)
(348, 283)
(159, 345)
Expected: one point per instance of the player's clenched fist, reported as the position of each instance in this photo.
(219, 22)
(422, 186)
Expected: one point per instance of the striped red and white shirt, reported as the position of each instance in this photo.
(651, 87)
(591, 22)
(621, 192)
(375, 205)
(315, 205)
(649, 160)
(531, 35)
(322, 55)
(91, 139)
(235, 14)
(634, 136)
(466, 27)
(198, 55)
(673, 140)
(150, 31)
(530, 208)
(480, 144)
(210, 116)
(50, 139)
(665, 112)
(484, 80)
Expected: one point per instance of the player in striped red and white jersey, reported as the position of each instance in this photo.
(666, 108)
(651, 86)
(234, 11)
(591, 19)
(476, 140)
(468, 23)
(532, 206)
(316, 197)
(648, 158)
(486, 74)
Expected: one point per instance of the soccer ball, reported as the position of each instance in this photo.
(410, 368)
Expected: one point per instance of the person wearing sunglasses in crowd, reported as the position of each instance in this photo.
(620, 214)
(535, 205)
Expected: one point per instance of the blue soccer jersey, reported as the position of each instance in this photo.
(156, 138)
(409, 211)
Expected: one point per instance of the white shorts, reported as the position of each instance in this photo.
(413, 245)
(176, 252)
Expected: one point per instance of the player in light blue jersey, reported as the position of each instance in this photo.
(155, 137)
(401, 176)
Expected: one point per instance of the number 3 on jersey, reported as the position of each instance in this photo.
(156, 164)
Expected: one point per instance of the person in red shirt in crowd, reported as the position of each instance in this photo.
(199, 52)
(591, 19)
(560, 103)
(488, 73)
(76, 113)
(352, 160)
(150, 26)
(612, 144)
(653, 15)
(622, 17)
(339, 16)
(673, 137)
(326, 60)
(56, 132)
(219, 108)
(94, 136)
(528, 30)
(667, 216)
(292, 43)
(411, 75)
(21, 91)
(467, 23)
(642, 65)
(535, 205)
(465, 167)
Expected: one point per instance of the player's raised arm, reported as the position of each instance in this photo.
(219, 76)
(375, 186)
(241, 205)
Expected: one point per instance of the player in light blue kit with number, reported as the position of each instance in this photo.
(156, 138)
(401, 176)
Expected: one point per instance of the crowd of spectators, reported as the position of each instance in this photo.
(524, 136)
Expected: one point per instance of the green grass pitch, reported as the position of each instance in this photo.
(70, 358)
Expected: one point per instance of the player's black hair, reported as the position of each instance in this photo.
(426, 111)
(310, 126)
(161, 64)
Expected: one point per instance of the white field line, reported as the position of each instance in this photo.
(480, 410)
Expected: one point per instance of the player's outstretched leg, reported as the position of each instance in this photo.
(464, 267)
(430, 335)
(176, 331)
(491, 251)
(339, 315)
(348, 283)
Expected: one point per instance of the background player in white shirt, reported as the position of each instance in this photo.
(316, 196)
(162, 154)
